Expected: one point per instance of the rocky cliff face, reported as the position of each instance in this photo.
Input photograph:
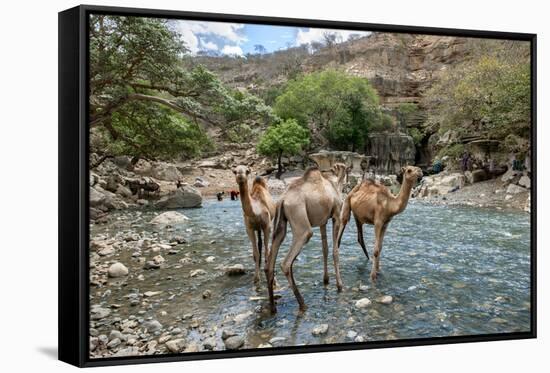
(390, 152)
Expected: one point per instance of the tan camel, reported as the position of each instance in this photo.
(258, 211)
(310, 201)
(374, 204)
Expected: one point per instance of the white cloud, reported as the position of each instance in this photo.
(192, 31)
(307, 36)
(209, 45)
(232, 50)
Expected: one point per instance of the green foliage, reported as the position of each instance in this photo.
(384, 124)
(285, 138)
(153, 131)
(454, 151)
(240, 133)
(141, 85)
(488, 95)
(341, 106)
(407, 108)
(417, 135)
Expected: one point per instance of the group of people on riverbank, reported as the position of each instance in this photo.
(233, 194)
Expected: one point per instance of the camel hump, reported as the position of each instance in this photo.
(312, 173)
(260, 181)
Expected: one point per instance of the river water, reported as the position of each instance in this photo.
(450, 271)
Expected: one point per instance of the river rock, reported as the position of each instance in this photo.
(123, 191)
(226, 333)
(98, 313)
(234, 342)
(129, 351)
(320, 329)
(363, 303)
(114, 343)
(96, 198)
(197, 272)
(235, 270)
(158, 259)
(351, 334)
(386, 299)
(169, 217)
(165, 171)
(184, 197)
(175, 345)
(152, 325)
(525, 182)
(242, 317)
(117, 270)
(509, 176)
(151, 265)
(106, 250)
(143, 167)
(515, 189)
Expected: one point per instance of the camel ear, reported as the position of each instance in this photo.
(234, 170)
(248, 170)
(402, 170)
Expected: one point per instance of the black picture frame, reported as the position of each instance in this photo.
(73, 319)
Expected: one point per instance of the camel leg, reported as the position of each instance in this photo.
(325, 252)
(255, 253)
(279, 234)
(360, 238)
(344, 219)
(299, 239)
(379, 231)
(336, 250)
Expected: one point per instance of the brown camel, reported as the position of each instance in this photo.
(309, 202)
(374, 204)
(258, 211)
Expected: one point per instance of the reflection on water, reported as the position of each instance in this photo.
(450, 271)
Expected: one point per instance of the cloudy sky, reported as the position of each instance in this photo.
(239, 39)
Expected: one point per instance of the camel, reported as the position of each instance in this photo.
(374, 204)
(258, 211)
(309, 202)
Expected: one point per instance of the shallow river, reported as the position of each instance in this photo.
(450, 271)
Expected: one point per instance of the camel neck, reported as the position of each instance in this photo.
(403, 197)
(245, 198)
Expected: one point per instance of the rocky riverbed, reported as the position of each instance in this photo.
(184, 284)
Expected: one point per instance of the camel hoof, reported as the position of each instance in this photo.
(325, 280)
(340, 288)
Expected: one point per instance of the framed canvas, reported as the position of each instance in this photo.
(234, 186)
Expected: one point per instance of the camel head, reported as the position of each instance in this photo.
(412, 174)
(241, 173)
(341, 171)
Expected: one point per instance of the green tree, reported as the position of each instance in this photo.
(138, 66)
(154, 131)
(286, 138)
(488, 95)
(341, 107)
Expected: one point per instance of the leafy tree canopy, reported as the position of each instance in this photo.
(488, 95)
(340, 106)
(138, 70)
(286, 138)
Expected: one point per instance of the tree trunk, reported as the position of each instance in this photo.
(279, 166)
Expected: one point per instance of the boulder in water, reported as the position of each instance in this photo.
(363, 303)
(515, 189)
(169, 217)
(184, 197)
